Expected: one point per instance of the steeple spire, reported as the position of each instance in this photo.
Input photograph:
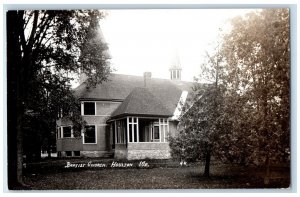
(175, 67)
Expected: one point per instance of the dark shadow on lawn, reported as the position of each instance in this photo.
(190, 177)
(251, 177)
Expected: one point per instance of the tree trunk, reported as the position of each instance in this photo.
(20, 150)
(207, 162)
(14, 105)
(267, 135)
(267, 175)
(17, 85)
(243, 159)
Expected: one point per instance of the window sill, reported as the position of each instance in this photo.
(96, 115)
(66, 138)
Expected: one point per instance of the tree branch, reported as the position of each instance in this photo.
(28, 19)
(44, 30)
(21, 30)
(42, 25)
(33, 30)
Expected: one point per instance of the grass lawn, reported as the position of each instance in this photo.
(162, 174)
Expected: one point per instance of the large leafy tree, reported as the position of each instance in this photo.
(45, 49)
(257, 52)
(244, 115)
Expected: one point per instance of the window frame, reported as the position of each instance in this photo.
(120, 131)
(132, 129)
(59, 132)
(154, 132)
(71, 132)
(95, 134)
(83, 108)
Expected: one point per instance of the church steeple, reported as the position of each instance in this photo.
(175, 68)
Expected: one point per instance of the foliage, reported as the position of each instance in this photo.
(258, 59)
(46, 49)
(203, 122)
(244, 115)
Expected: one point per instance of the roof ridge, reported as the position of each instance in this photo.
(151, 77)
(137, 76)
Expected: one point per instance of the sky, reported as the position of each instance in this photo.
(148, 40)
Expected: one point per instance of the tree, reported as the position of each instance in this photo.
(55, 101)
(203, 117)
(257, 52)
(45, 49)
(244, 115)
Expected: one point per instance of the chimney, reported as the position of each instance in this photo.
(147, 78)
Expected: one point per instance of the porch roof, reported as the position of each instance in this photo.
(143, 103)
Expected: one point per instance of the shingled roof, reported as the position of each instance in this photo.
(127, 88)
(141, 102)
